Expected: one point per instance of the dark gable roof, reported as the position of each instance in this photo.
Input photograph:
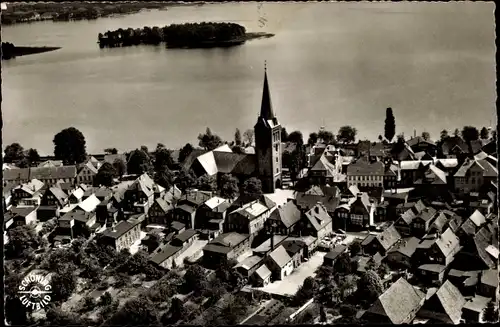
(288, 214)
(121, 228)
(440, 222)
(235, 163)
(22, 211)
(318, 216)
(427, 214)
(186, 235)
(59, 194)
(399, 303)
(388, 237)
(407, 247)
(408, 216)
(196, 198)
(328, 196)
(336, 252)
(166, 252)
(40, 173)
(81, 216)
(163, 205)
(363, 167)
(191, 158)
(449, 143)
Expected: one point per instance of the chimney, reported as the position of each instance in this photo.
(272, 240)
(359, 195)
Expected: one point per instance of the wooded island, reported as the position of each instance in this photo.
(188, 35)
(10, 51)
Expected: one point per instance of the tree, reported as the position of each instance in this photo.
(163, 159)
(296, 137)
(444, 135)
(120, 167)
(176, 312)
(195, 278)
(209, 141)
(15, 311)
(136, 312)
(13, 153)
(326, 136)
(347, 134)
(237, 137)
(105, 299)
(380, 138)
(308, 290)
(485, 133)
(456, 132)
(185, 152)
(343, 264)
(164, 178)
(370, 286)
(207, 183)
(69, 146)
(252, 188)
(63, 285)
(426, 136)
(185, 179)
(490, 313)
(229, 186)
(284, 135)
(313, 138)
(111, 151)
(56, 317)
(105, 175)
(248, 135)
(139, 162)
(354, 248)
(470, 133)
(33, 156)
(390, 125)
(22, 239)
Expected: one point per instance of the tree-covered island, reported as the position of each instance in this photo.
(187, 35)
(10, 51)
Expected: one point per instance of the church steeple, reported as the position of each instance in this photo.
(266, 108)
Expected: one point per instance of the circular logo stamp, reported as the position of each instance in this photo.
(35, 292)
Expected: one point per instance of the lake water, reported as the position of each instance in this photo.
(329, 64)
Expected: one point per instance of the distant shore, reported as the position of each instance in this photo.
(223, 44)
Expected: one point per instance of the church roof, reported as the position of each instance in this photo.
(266, 108)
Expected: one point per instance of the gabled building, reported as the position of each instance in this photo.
(443, 305)
(329, 196)
(400, 255)
(86, 173)
(225, 247)
(47, 175)
(279, 263)
(382, 242)
(139, 197)
(315, 222)
(363, 173)
(27, 190)
(212, 214)
(122, 235)
(441, 250)
(24, 215)
(159, 213)
(185, 208)
(283, 220)
(473, 175)
(249, 219)
(399, 304)
(422, 222)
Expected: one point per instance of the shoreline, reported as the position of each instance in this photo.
(10, 51)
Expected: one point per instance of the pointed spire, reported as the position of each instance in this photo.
(266, 108)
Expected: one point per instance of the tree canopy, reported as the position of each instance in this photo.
(207, 183)
(443, 135)
(139, 162)
(485, 133)
(13, 153)
(22, 239)
(248, 136)
(185, 179)
(163, 158)
(313, 138)
(347, 134)
(426, 136)
(370, 286)
(209, 141)
(284, 135)
(70, 146)
(185, 152)
(105, 175)
(252, 188)
(470, 133)
(229, 186)
(237, 137)
(111, 151)
(390, 125)
(326, 136)
(296, 137)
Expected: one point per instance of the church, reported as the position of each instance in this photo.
(265, 164)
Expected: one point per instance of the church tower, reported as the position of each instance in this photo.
(268, 143)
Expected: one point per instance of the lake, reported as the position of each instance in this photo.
(329, 64)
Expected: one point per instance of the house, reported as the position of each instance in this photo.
(280, 263)
(473, 174)
(488, 283)
(400, 255)
(410, 170)
(443, 304)
(404, 222)
(363, 173)
(88, 205)
(399, 304)
(419, 144)
(166, 255)
(382, 242)
(465, 281)
(361, 211)
(261, 276)
(324, 172)
(422, 222)
(50, 163)
(296, 251)
(185, 238)
(24, 215)
(331, 257)
(225, 247)
(75, 224)
(473, 309)
(122, 235)
(283, 220)
(269, 245)
(439, 225)
(173, 195)
(185, 208)
(249, 266)
(27, 190)
(47, 175)
(159, 212)
(139, 196)
(86, 173)
(249, 219)
(329, 196)
(54, 196)
(484, 206)
(76, 196)
(316, 222)
(431, 273)
(440, 250)
(471, 226)
(212, 214)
